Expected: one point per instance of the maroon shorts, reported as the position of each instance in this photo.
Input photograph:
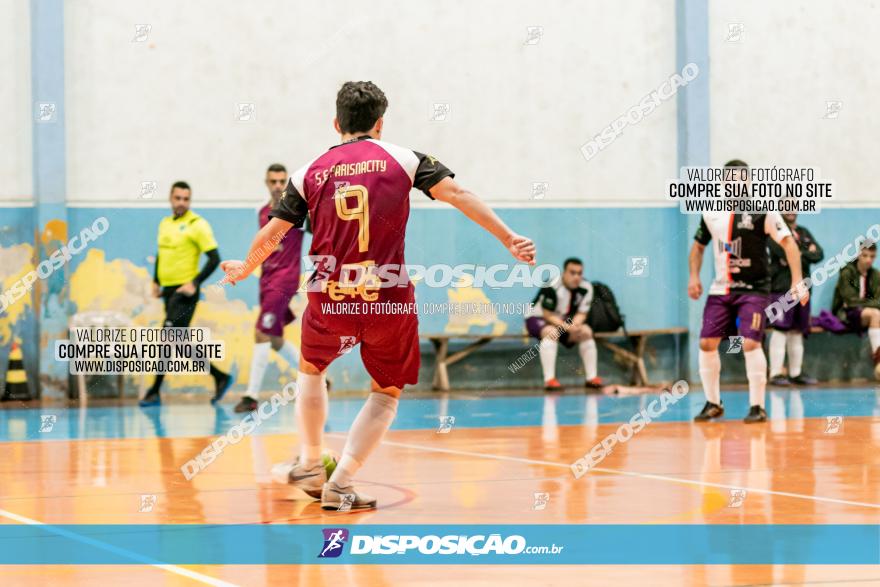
(732, 314)
(275, 312)
(389, 338)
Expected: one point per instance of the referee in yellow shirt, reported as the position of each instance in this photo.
(182, 238)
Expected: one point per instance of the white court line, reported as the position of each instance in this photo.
(116, 550)
(626, 473)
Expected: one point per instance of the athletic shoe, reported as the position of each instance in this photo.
(804, 379)
(222, 382)
(780, 381)
(246, 404)
(594, 383)
(334, 497)
(151, 399)
(553, 385)
(310, 481)
(756, 414)
(710, 412)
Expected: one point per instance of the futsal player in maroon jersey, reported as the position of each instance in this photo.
(356, 195)
(279, 281)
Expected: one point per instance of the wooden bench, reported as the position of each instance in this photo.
(634, 359)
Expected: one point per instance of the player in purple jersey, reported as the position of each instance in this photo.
(357, 196)
(279, 282)
(738, 297)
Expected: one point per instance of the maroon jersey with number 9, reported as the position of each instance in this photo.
(356, 196)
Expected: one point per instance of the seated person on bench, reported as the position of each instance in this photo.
(857, 298)
(560, 314)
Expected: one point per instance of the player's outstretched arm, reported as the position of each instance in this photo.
(447, 190)
(793, 256)
(264, 243)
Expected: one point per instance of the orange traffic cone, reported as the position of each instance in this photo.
(16, 378)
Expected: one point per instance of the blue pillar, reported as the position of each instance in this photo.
(49, 181)
(692, 46)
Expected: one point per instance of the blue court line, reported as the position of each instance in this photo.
(189, 420)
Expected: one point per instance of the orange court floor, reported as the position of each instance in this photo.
(815, 462)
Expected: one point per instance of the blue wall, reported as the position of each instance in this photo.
(604, 238)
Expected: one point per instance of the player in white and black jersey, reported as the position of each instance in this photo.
(738, 296)
(560, 314)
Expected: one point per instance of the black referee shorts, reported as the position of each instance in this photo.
(179, 308)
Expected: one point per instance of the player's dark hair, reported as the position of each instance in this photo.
(868, 245)
(180, 184)
(572, 261)
(359, 105)
(736, 163)
(276, 167)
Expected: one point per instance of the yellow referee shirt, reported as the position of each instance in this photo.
(181, 243)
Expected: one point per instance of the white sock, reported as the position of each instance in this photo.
(874, 337)
(756, 372)
(311, 414)
(547, 351)
(795, 344)
(259, 361)
(777, 352)
(710, 375)
(366, 433)
(590, 357)
(289, 353)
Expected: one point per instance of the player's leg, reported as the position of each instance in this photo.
(284, 348)
(583, 336)
(179, 310)
(782, 326)
(274, 315)
(778, 341)
(548, 348)
(750, 310)
(152, 397)
(718, 320)
(870, 318)
(320, 346)
(366, 433)
(307, 470)
(259, 362)
(795, 346)
(390, 353)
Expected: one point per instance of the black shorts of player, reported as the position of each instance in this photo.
(179, 308)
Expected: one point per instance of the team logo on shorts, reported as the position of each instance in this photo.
(334, 541)
(268, 320)
(346, 343)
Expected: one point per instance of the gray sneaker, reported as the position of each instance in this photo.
(343, 499)
(308, 480)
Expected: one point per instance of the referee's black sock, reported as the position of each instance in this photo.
(157, 383)
(217, 373)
